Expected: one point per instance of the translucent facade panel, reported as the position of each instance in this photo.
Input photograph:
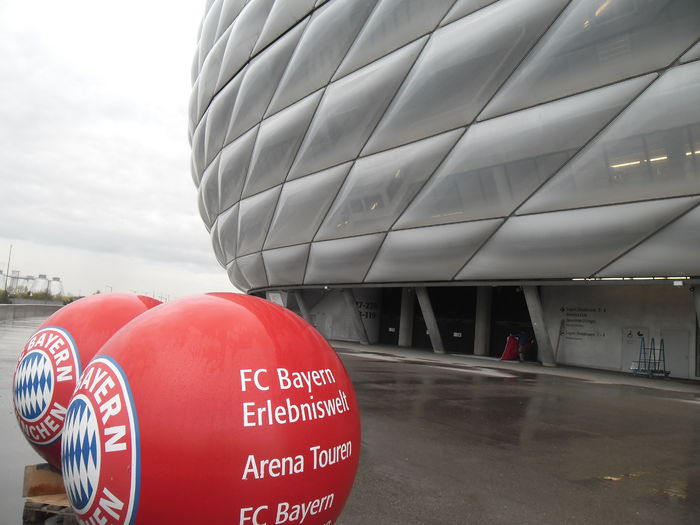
(341, 260)
(216, 244)
(302, 206)
(392, 24)
(209, 75)
(595, 43)
(258, 85)
(253, 270)
(380, 186)
(236, 277)
(648, 152)
(693, 54)
(283, 15)
(672, 252)
(574, 243)
(208, 34)
(463, 8)
(500, 162)
(435, 253)
(204, 214)
(198, 145)
(229, 11)
(327, 38)
(286, 265)
(233, 166)
(228, 232)
(209, 193)
(218, 117)
(462, 66)
(244, 33)
(349, 110)
(253, 220)
(277, 143)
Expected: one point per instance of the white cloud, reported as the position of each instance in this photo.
(95, 159)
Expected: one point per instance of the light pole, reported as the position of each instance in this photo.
(7, 273)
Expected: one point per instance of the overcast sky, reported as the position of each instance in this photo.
(95, 184)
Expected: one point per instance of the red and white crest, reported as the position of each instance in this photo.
(100, 453)
(46, 374)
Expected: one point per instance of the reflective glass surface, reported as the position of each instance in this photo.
(652, 150)
(500, 162)
(573, 243)
(349, 110)
(435, 253)
(391, 25)
(380, 186)
(286, 265)
(327, 38)
(672, 252)
(596, 42)
(277, 143)
(341, 260)
(460, 69)
(253, 220)
(302, 206)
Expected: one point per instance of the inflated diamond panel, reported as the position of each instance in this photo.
(387, 141)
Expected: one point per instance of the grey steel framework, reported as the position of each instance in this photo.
(390, 141)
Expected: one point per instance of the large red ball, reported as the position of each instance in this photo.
(220, 408)
(52, 360)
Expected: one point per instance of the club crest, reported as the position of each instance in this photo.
(100, 446)
(44, 380)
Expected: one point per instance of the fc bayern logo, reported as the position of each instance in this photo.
(46, 375)
(100, 446)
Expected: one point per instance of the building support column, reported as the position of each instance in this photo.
(354, 313)
(303, 307)
(406, 320)
(482, 323)
(430, 320)
(544, 345)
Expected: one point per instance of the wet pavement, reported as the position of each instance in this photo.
(448, 440)
(15, 452)
(464, 440)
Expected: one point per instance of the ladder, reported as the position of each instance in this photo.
(650, 363)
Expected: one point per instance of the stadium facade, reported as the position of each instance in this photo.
(442, 173)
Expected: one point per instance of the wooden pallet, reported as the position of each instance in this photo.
(45, 496)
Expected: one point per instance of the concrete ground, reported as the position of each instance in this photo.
(468, 440)
(15, 452)
(462, 440)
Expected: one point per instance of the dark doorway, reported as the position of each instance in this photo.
(509, 315)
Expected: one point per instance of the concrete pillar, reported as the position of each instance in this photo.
(430, 320)
(482, 323)
(354, 314)
(544, 345)
(406, 321)
(303, 307)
